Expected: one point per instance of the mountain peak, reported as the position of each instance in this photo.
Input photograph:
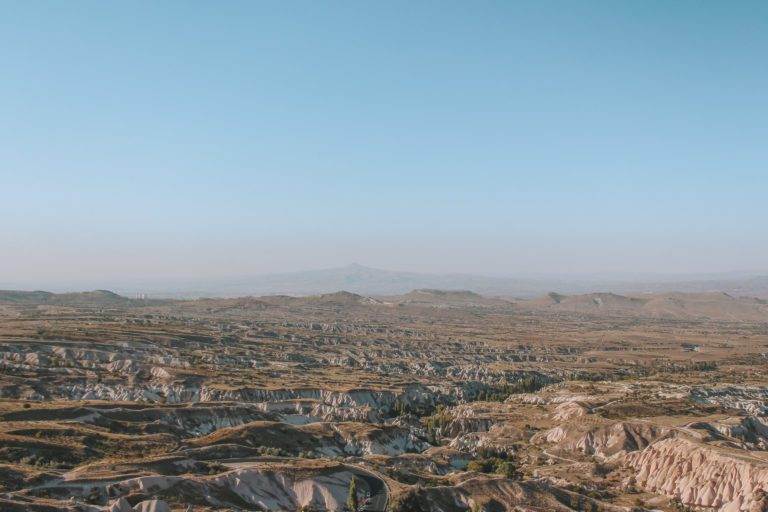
(357, 266)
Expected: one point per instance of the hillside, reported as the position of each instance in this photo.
(713, 306)
(94, 298)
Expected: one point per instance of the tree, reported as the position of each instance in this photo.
(507, 469)
(484, 465)
(352, 495)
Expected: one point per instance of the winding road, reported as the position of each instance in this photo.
(376, 486)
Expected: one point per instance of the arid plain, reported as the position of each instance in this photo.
(428, 401)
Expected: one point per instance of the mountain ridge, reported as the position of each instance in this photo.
(363, 280)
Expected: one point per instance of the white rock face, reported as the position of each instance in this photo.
(120, 505)
(307, 411)
(568, 410)
(526, 398)
(268, 490)
(700, 475)
(751, 432)
(604, 440)
(161, 374)
(152, 506)
(387, 440)
(748, 398)
(553, 435)
(281, 492)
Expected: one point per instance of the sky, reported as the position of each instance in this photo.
(207, 139)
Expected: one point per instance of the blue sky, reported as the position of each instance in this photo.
(220, 138)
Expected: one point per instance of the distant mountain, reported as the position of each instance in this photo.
(713, 305)
(364, 280)
(367, 281)
(94, 298)
(755, 286)
(447, 298)
(675, 305)
(23, 297)
(361, 280)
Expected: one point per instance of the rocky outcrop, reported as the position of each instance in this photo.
(384, 440)
(414, 396)
(120, 505)
(152, 506)
(307, 411)
(604, 440)
(260, 488)
(748, 432)
(500, 440)
(185, 420)
(326, 439)
(700, 475)
(499, 495)
(568, 410)
(751, 399)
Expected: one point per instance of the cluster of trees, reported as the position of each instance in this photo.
(435, 423)
(270, 451)
(528, 384)
(590, 376)
(691, 366)
(400, 408)
(498, 465)
(273, 451)
(497, 393)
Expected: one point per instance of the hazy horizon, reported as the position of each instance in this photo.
(363, 279)
(175, 141)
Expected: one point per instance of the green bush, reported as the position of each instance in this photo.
(505, 468)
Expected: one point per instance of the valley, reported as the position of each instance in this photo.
(432, 400)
